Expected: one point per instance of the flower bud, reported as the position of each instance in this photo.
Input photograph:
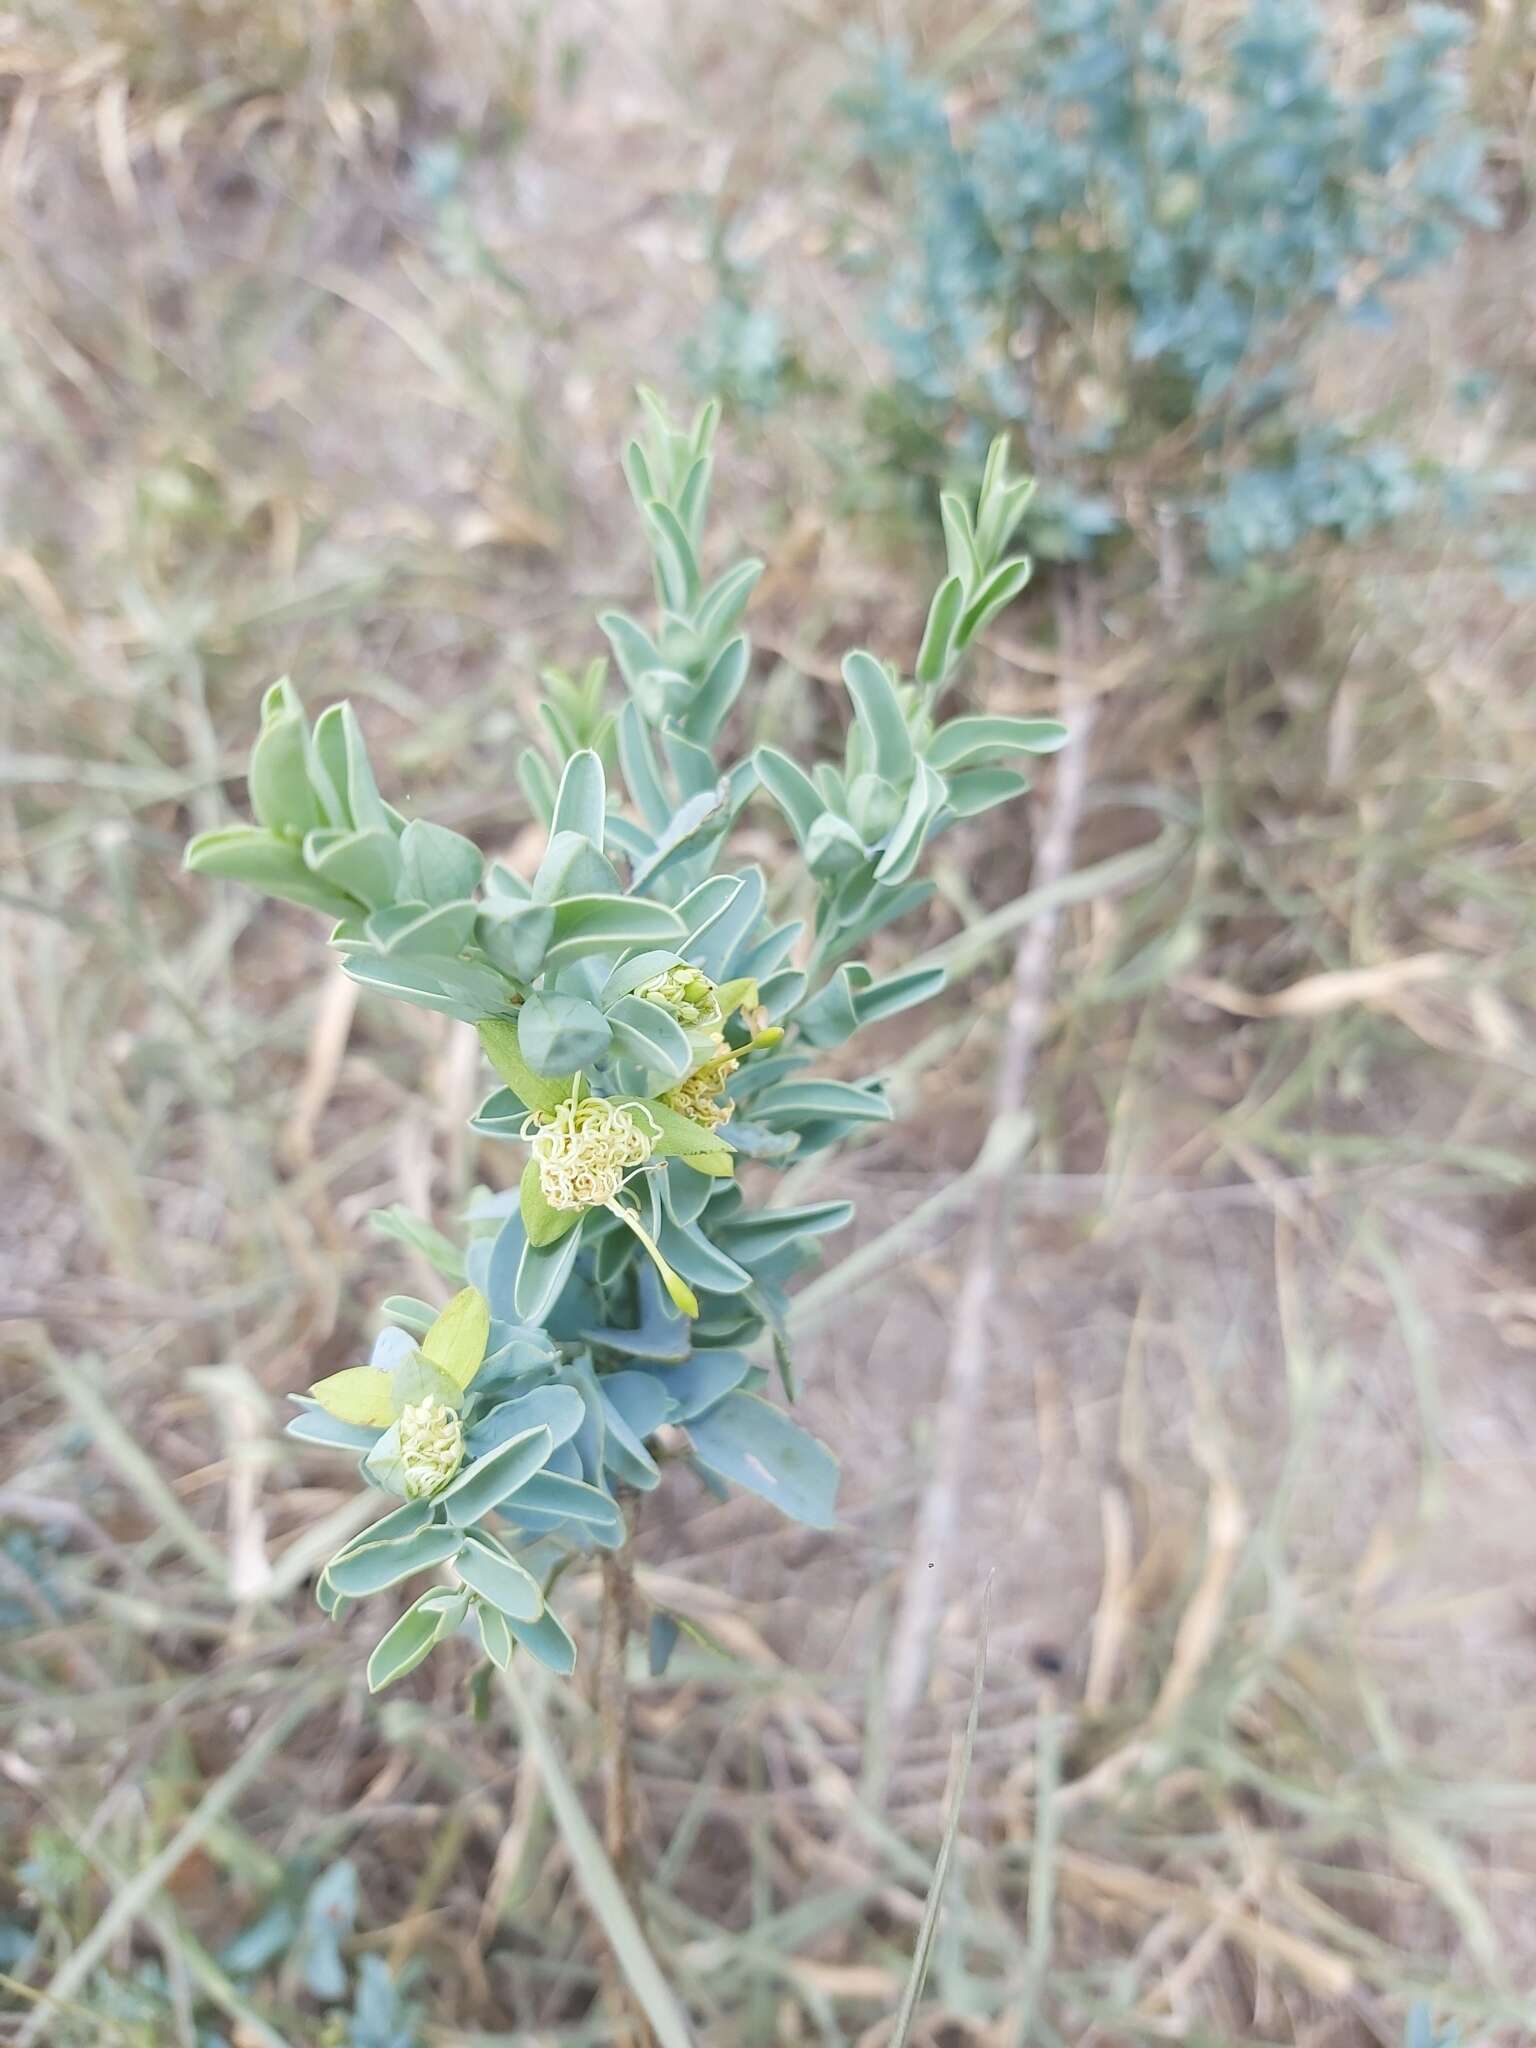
(686, 994)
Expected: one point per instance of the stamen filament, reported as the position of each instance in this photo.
(682, 1294)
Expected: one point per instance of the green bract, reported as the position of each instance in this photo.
(650, 1024)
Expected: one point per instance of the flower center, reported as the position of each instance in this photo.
(431, 1446)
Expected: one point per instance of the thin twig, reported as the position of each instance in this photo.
(965, 1377)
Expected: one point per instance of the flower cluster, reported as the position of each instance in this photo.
(586, 1146)
(431, 1438)
(701, 1097)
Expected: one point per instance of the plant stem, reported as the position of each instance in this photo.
(615, 1626)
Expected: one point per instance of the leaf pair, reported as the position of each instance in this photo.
(447, 1360)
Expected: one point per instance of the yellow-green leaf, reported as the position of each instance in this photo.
(736, 995)
(361, 1394)
(544, 1223)
(681, 1138)
(417, 1379)
(456, 1341)
(499, 1037)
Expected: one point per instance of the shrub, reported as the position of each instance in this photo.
(652, 1028)
(1130, 251)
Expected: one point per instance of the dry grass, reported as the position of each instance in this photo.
(315, 355)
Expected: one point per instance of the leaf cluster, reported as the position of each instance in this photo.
(652, 1024)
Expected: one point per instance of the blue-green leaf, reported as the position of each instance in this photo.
(791, 789)
(313, 1426)
(719, 690)
(794, 1101)
(879, 712)
(582, 802)
(340, 772)
(436, 1614)
(245, 853)
(515, 936)
(442, 933)
(549, 1498)
(547, 1642)
(560, 1410)
(725, 600)
(370, 1567)
(609, 924)
(745, 1439)
(542, 1272)
(985, 737)
(974, 790)
(454, 988)
(281, 796)
(702, 1380)
(436, 865)
(633, 647)
(756, 1235)
(496, 1637)
(925, 800)
(933, 657)
(701, 1264)
(999, 591)
(487, 1570)
(573, 866)
(490, 1480)
(648, 1034)
(561, 1034)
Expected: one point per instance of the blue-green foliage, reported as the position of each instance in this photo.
(741, 349)
(653, 1022)
(1126, 254)
(302, 1931)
